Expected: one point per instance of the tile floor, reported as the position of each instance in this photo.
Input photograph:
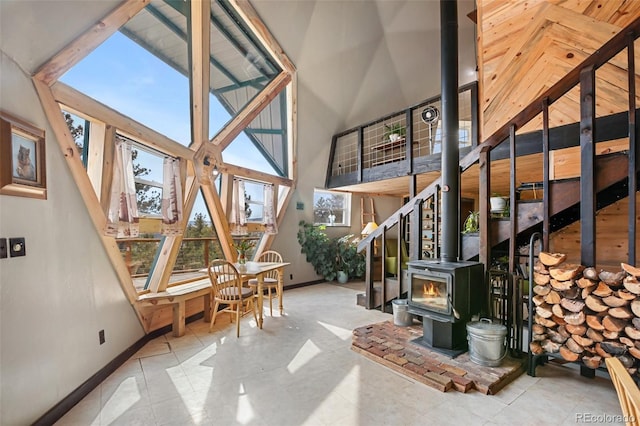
(299, 370)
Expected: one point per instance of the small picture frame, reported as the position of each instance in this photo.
(22, 158)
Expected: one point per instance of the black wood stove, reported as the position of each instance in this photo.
(446, 295)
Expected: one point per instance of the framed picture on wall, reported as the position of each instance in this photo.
(22, 158)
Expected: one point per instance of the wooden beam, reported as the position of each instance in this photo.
(200, 71)
(219, 220)
(95, 155)
(484, 255)
(251, 111)
(107, 166)
(79, 48)
(260, 30)
(76, 100)
(546, 194)
(70, 152)
(587, 166)
(254, 174)
(633, 148)
(513, 222)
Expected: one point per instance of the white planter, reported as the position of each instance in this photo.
(498, 204)
(394, 137)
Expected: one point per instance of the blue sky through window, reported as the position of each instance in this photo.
(126, 77)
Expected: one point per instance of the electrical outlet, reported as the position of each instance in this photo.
(17, 247)
(101, 336)
(291, 276)
(3, 248)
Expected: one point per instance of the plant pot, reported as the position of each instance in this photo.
(498, 204)
(394, 137)
(343, 277)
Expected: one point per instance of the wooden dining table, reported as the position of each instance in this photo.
(257, 270)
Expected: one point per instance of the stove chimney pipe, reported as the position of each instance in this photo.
(450, 130)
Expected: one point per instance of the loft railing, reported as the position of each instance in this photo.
(584, 76)
(366, 153)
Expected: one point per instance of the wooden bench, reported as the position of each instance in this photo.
(177, 295)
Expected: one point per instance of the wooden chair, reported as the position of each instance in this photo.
(628, 392)
(270, 278)
(227, 289)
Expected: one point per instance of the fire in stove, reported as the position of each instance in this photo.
(431, 291)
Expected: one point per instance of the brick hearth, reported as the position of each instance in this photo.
(391, 346)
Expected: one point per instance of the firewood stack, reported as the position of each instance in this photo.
(585, 315)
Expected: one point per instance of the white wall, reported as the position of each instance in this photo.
(54, 300)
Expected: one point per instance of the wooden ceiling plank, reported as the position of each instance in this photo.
(68, 96)
(80, 47)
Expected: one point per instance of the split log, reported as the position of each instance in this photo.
(621, 313)
(626, 360)
(592, 362)
(572, 305)
(590, 273)
(626, 341)
(614, 301)
(614, 348)
(568, 354)
(536, 348)
(635, 352)
(574, 318)
(550, 347)
(578, 330)
(613, 324)
(594, 322)
(625, 295)
(561, 285)
(544, 310)
(610, 335)
(553, 298)
(582, 341)
(631, 270)
(538, 337)
(540, 268)
(594, 335)
(635, 307)
(585, 282)
(558, 320)
(632, 332)
(538, 300)
(603, 290)
(612, 278)
(600, 351)
(551, 259)
(563, 332)
(538, 329)
(541, 279)
(572, 293)
(541, 290)
(595, 304)
(586, 292)
(543, 321)
(565, 272)
(636, 322)
(573, 346)
(632, 284)
(557, 311)
(556, 337)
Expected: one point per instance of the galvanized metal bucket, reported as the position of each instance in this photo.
(487, 342)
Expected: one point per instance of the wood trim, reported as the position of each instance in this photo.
(68, 148)
(69, 96)
(260, 30)
(257, 175)
(200, 71)
(219, 220)
(251, 111)
(107, 166)
(80, 47)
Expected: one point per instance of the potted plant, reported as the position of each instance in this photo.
(471, 223)
(498, 203)
(349, 263)
(243, 247)
(394, 131)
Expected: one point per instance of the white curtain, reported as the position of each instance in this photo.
(270, 226)
(238, 213)
(122, 218)
(171, 197)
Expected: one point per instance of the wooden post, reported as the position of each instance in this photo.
(546, 193)
(587, 166)
(633, 149)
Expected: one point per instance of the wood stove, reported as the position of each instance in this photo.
(446, 295)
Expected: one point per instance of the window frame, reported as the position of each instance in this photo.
(346, 215)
